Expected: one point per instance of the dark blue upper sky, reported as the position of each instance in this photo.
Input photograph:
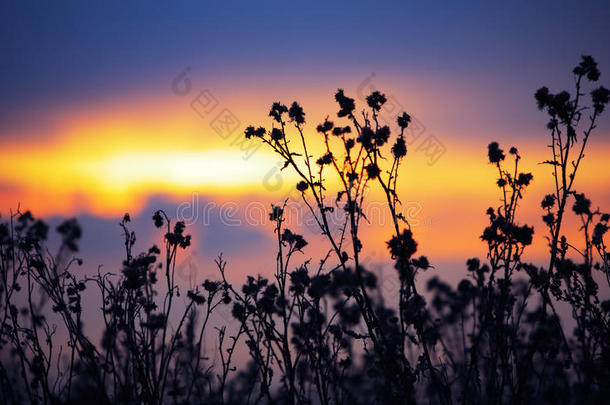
(72, 51)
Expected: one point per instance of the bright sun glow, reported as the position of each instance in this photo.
(112, 161)
(211, 168)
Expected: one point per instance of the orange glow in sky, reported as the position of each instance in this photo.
(111, 161)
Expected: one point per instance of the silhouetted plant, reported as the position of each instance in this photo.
(567, 280)
(325, 333)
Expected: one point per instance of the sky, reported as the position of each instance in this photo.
(95, 120)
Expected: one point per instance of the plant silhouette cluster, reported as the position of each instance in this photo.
(324, 333)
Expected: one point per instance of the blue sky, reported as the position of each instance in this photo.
(77, 51)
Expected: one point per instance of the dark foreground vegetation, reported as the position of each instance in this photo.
(323, 333)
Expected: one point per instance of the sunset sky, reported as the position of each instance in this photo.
(92, 124)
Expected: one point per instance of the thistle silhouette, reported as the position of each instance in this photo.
(326, 333)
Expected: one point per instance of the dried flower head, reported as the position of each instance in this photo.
(277, 109)
(376, 100)
(403, 120)
(495, 154)
(296, 113)
(346, 104)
